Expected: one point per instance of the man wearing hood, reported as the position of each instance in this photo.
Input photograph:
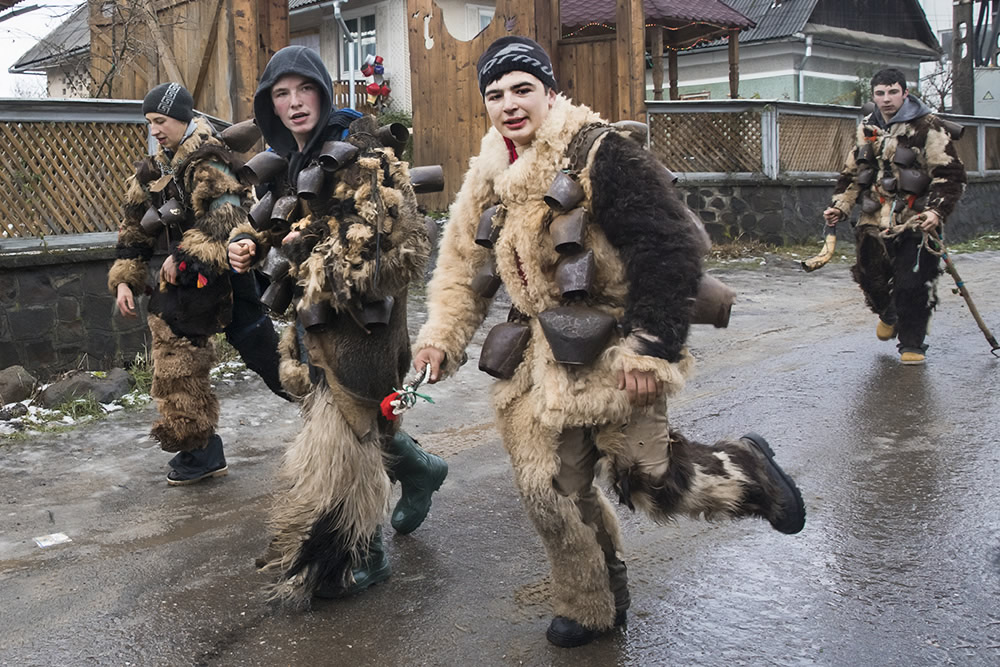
(355, 241)
(906, 174)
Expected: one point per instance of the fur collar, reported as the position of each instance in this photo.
(202, 135)
(532, 173)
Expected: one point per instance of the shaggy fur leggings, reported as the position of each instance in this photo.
(653, 469)
(189, 410)
(898, 279)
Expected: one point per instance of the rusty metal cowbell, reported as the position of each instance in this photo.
(904, 156)
(377, 313)
(241, 137)
(275, 265)
(575, 275)
(429, 178)
(172, 213)
(285, 210)
(151, 222)
(334, 155)
(316, 316)
(310, 182)
(486, 233)
(576, 334)
(913, 181)
(503, 350)
(568, 231)
(564, 194)
(486, 283)
(260, 213)
(263, 167)
(713, 303)
(278, 295)
(394, 136)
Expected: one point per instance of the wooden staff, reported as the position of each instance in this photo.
(961, 289)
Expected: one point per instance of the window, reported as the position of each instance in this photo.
(477, 18)
(363, 45)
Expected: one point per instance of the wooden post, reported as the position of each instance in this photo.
(162, 46)
(672, 60)
(630, 43)
(656, 33)
(245, 36)
(273, 23)
(734, 63)
(548, 29)
(962, 93)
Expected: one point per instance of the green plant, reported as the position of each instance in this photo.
(82, 408)
(141, 372)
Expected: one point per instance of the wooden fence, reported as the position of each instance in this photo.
(749, 139)
(64, 163)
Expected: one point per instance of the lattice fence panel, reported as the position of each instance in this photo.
(707, 142)
(65, 178)
(992, 148)
(968, 147)
(814, 143)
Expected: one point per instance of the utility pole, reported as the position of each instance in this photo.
(962, 54)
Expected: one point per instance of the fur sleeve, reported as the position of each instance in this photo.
(219, 204)
(945, 169)
(635, 205)
(846, 191)
(134, 247)
(454, 310)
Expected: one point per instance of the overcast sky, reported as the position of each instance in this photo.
(20, 33)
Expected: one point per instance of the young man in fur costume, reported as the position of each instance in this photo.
(192, 179)
(354, 242)
(906, 175)
(620, 335)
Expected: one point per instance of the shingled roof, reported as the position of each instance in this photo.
(576, 13)
(69, 39)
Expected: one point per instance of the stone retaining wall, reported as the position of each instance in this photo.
(56, 313)
(790, 212)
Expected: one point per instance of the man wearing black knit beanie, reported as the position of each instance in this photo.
(602, 264)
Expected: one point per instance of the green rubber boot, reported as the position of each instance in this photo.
(372, 570)
(419, 474)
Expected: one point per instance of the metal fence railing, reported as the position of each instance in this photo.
(751, 139)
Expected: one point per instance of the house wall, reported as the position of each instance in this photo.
(770, 71)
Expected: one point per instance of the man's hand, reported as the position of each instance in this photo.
(168, 271)
(832, 215)
(125, 300)
(929, 220)
(241, 254)
(642, 387)
(290, 236)
(432, 356)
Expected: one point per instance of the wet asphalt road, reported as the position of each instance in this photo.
(899, 563)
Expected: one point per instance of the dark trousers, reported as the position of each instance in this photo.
(898, 278)
(251, 331)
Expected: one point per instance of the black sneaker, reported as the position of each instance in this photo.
(792, 517)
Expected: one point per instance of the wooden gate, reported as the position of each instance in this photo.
(448, 114)
(215, 48)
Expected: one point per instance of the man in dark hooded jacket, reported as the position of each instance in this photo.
(354, 240)
(906, 174)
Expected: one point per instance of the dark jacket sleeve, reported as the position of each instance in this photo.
(637, 207)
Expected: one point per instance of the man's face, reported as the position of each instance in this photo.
(889, 99)
(167, 131)
(297, 102)
(518, 104)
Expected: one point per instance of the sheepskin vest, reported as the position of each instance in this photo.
(883, 202)
(526, 259)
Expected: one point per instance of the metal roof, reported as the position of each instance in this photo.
(575, 13)
(773, 22)
(70, 38)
